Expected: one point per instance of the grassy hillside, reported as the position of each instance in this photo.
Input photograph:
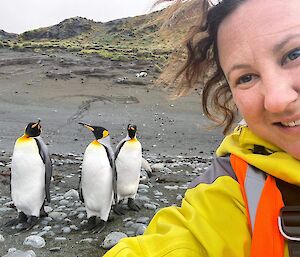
(124, 39)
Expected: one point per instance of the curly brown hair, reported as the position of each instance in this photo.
(202, 64)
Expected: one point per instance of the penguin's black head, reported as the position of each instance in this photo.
(131, 129)
(33, 129)
(99, 132)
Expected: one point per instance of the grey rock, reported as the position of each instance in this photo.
(47, 228)
(143, 198)
(112, 239)
(140, 229)
(66, 230)
(81, 209)
(175, 187)
(48, 209)
(143, 190)
(143, 220)
(12, 252)
(34, 241)
(2, 239)
(63, 202)
(55, 249)
(5, 209)
(179, 197)
(72, 193)
(128, 224)
(80, 215)
(87, 240)
(150, 206)
(156, 192)
(157, 167)
(57, 216)
(142, 186)
(60, 239)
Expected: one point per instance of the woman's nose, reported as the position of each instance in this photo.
(279, 92)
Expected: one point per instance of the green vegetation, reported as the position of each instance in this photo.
(128, 39)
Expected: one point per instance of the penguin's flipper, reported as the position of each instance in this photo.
(80, 190)
(119, 146)
(110, 155)
(43, 150)
(146, 166)
(115, 174)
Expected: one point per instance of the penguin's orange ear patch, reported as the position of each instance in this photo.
(105, 133)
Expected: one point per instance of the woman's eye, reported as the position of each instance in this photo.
(245, 79)
(291, 56)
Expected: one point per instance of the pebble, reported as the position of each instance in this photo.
(128, 224)
(48, 209)
(60, 239)
(175, 187)
(66, 230)
(1, 238)
(57, 216)
(179, 197)
(158, 167)
(150, 206)
(142, 186)
(143, 220)
(5, 209)
(13, 252)
(72, 193)
(80, 215)
(81, 209)
(87, 240)
(143, 198)
(112, 239)
(63, 202)
(140, 229)
(47, 228)
(55, 249)
(34, 241)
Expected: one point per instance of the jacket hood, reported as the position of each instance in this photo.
(276, 162)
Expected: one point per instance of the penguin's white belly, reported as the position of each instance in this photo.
(128, 166)
(27, 178)
(96, 182)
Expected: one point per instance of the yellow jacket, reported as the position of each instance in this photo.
(212, 220)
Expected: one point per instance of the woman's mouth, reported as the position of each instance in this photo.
(290, 123)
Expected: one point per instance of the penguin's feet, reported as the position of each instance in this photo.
(43, 213)
(132, 205)
(90, 225)
(32, 221)
(118, 209)
(22, 218)
(99, 227)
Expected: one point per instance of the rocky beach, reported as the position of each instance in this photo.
(63, 88)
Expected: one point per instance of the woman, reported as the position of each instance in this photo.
(250, 52)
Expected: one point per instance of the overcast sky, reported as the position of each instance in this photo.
(18, 16)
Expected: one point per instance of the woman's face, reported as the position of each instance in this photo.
(259, 50)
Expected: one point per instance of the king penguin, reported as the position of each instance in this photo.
(96, 183)
(31, 172)
(128, 161)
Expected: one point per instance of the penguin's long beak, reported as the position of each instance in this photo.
(87, 126)
(36, 124)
